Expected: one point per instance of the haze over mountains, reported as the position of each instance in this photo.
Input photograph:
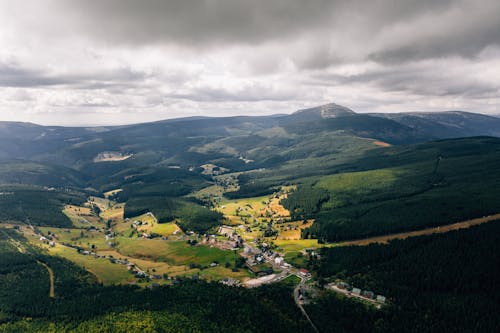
(164, 139)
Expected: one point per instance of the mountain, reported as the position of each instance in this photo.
(326, 111)
(325, 134)
(449, 124)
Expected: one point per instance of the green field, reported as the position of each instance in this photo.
(103, 269)
(173, 252)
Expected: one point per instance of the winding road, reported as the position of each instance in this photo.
(51, 278)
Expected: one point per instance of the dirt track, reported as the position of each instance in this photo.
(436, 230)
(51, 277)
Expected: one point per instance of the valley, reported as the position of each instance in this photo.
(247, 208)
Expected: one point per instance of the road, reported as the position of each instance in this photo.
(21, 249)
(435, 230)
(299, 303)
(51, 278)
(285, 272)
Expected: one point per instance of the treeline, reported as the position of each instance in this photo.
(305, 201)
(154, 181)
(427, 193)
(249, 187)
(189, 215)
(83, 305)
(433, 283)
(37, 205)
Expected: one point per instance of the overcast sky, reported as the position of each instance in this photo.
(98, 62)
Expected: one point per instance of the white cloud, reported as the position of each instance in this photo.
(81, 62)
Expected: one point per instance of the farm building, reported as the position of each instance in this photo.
(279, 260)
(304, 272)
(225, 230)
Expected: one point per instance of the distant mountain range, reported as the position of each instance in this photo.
(235, 143)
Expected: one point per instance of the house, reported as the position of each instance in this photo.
(279, 260)
(356, 291)
(225, 230)
(213, 264)
(230, 282)
(343, 285)
(304, 272)
(380, 299)
(369, 294)
(52, 244)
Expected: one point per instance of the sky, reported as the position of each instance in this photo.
(72, 62)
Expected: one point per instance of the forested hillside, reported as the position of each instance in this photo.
(433, 283)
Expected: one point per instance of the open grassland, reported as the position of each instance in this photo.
(151, 266)
(113, 213)
(249, 210)
(78, 237)
(81, 216)
(112, 193)
(102, 268)
(105, 271)
(151, 225)
(220, 272)
(297, 245)
(173, 252)
(166, 229)
(292, 230)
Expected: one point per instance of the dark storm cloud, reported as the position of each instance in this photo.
(248, 55)
(420, 79)
(17, 76)
(218, 22)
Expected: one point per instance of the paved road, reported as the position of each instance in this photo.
(299, 303)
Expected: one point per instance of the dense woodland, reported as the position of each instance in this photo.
(434, 187)
(38, 206)
(434, 283)
(190, 216)
(83, 305)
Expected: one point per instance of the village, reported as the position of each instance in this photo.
(257, 245)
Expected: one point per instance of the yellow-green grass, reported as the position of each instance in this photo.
(297, 245)
(123, 227)
(112, 192)
(291, 280)
(113, 213)
(154, 267)
(81, 217)
(151, 225)
(220, 272)
(102, 268)
(229, 207)
(74, 237)
(173, 252)
(285, 234)
(166, 229)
